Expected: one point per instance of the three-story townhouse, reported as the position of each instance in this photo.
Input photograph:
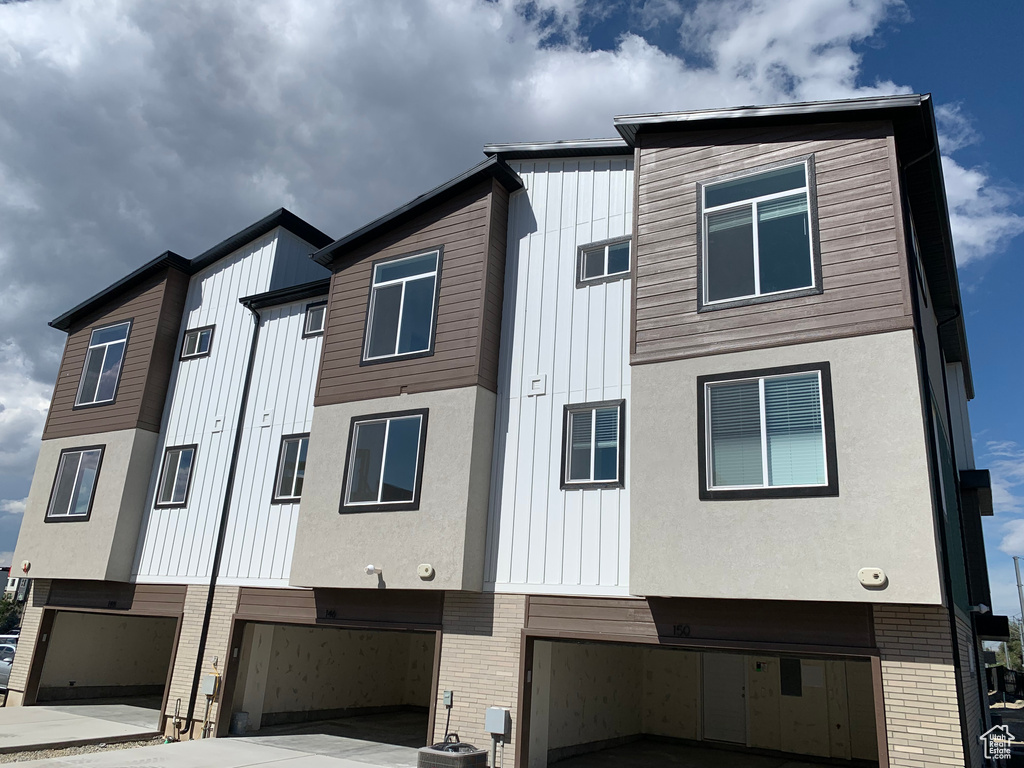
(658, 442)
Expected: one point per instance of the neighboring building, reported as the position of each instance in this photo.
(663, 435)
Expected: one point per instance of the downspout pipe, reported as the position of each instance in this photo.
(218, 551)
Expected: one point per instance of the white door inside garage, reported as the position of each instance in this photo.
(724, 684)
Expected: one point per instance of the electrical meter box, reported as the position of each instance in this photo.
(498, 722)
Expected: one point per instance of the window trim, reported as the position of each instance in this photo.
(184, 339)
(117, 386)
(566, 484)
(582, 282)
(429, 351)
(274, 498)
(395, 506)
(160, 480)
(812, 214)
(707, 493)
(56, 476)
(306, 333)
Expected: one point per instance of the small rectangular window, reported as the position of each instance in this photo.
(757, 236)
(74, 487)
(603, 261)
(197, 342)
(791, 677)
(176, 476)
(592, 445)
(316, 317)
(103, 361)
(403, 303)
(291, 468)
(767, 433)
(384, 465)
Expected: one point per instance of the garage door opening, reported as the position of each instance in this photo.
(617, 704)
(368, 684)
(117, 666)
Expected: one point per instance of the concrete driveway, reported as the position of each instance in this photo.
(46, 727)
(238, 753)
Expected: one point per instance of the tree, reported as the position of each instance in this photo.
(10, 614)
(1012, 648)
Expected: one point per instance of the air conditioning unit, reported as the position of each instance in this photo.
(451, 754)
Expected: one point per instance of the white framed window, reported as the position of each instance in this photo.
(291, 468)
(176, 476)
(103, 361)
(593, 454)
(316, 319)
(767, 433)
(384, 464)
(197, 342)
(402, 308)
(603, 261)
(74, 487)
(757, 238)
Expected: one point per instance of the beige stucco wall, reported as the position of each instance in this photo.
(797, 549)
(98, 649)
(447, 531)
(315, 668)
(102, 547)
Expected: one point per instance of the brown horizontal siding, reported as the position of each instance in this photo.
(155, 309)
(471, 229)
(348, 607)
(143, 599)
(860, 241)
(696, 620)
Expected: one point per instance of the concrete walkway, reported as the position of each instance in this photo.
(47, 727)
(235, 753)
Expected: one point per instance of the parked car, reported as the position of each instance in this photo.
(6, 662)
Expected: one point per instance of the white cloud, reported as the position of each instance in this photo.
(132, 126)
(6, 559)
(13, 506)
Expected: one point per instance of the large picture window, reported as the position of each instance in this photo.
(403, 304)
(384, 465)
(593, 440)
(176, 476)
(291, 468)
(767, 433)
(74, 488)
(103, 361)
(757, 238)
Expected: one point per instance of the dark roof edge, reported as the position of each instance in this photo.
(167, 259)
(287, 295)
(282, 217)
(571, 148)
(493, 167)
(629, 126)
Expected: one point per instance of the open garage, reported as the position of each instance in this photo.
(292, 674)
(632, 702)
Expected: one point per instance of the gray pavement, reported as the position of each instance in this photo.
(41, 727)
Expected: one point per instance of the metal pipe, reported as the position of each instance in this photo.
(222, 531)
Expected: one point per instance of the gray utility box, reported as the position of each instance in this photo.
(451, 755)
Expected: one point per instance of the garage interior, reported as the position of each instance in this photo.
(114, 660)
(610, 703)
(370, 684)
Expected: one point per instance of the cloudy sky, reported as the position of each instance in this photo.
(128, 128)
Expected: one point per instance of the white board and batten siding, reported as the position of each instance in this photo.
(176, 545)
(542, 538)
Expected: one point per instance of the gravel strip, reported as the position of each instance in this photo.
(42, 754)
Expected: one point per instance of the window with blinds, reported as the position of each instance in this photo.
(757, 235)
(768, 431)
(593, 444)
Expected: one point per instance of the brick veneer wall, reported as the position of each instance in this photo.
(922, 718)
(225, 603)
(30, 621)
(479, 663)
